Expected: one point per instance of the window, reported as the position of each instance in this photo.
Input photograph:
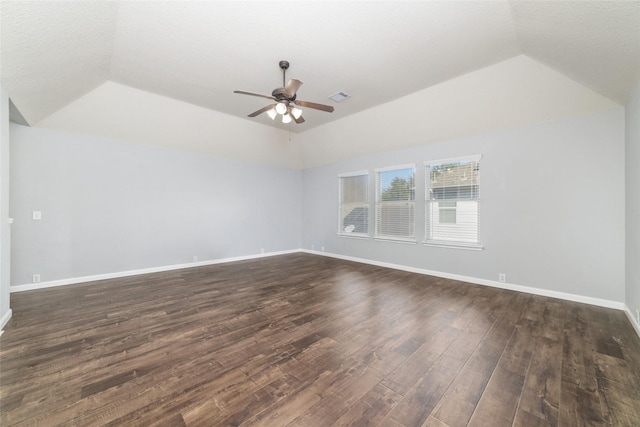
(452, 202)
(354, 204)
(395, 203)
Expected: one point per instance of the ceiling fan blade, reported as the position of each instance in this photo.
(241, 92)
(262, 110)
(298, 120)
(322, 107)
(292, 87)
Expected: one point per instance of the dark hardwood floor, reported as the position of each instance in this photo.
(303, 340)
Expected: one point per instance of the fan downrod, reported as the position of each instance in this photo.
(283, 65)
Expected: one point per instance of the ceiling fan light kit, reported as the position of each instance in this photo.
(281, 108)
(286, 103)
(296, 112)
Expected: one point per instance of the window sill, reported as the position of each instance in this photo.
(353, 235)
(454, 245)
(395, 240)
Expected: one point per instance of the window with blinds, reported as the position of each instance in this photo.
(354, 204)
(395, 203)
(453, 202)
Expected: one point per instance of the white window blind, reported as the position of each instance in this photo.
(354, 204)
(453, 202)
(395, 203)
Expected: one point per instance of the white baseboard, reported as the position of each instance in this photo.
(93, 278)
(4, 320)
(632, 319)
(536, 291)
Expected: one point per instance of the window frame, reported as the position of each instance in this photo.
(429, 201)
(378, 196)
(341, 231)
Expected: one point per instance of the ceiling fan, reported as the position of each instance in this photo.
(285, 100)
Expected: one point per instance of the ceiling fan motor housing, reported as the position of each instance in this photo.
(280, 95)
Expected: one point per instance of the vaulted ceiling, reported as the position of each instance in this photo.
(163, 73)
(199, 52)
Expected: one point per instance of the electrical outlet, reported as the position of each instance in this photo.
(502, 277)
(313, 247)
(37, 215)
(322, 248)
(195, 259)
(261, 250)
(35, 278)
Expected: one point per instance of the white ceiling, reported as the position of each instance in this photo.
(199, 52)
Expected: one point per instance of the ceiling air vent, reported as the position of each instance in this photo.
(339, 96)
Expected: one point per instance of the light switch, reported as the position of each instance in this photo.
(37, 215)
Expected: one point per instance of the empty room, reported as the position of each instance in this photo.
(320, 213)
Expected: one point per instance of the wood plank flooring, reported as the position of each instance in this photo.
(303, 340)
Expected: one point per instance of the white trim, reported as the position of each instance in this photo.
(453, 245)
(350, 174)
(396, 240)
(472, 158)
(629, 314)
(353, 235)
(512, 287)
(5, 319)
(74, 280)
(399, 167)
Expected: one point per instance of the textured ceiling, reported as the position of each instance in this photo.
(199, 52)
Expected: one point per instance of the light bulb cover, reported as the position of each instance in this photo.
(296, 112)
(272, 114)
(286, 118)
(281, 108)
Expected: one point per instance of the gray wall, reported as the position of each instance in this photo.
(5, 230)
(632, 158)
(109, 206)
(552, 209)
(552, 212)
